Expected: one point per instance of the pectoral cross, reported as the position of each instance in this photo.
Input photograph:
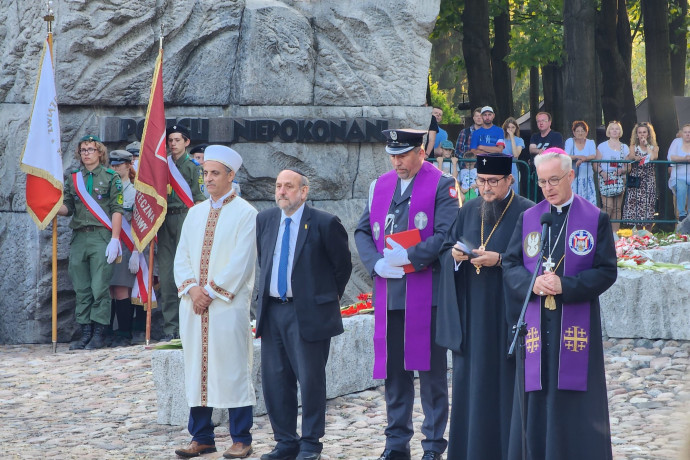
(548, 265)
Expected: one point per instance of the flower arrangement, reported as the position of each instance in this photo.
(632, 249)
(362, 306)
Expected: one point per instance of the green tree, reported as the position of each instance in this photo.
(441, 99)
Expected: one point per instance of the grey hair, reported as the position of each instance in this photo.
(566, 161)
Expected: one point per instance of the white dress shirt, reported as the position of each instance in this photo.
(294, 229)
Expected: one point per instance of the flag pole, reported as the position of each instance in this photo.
(49, 18)
(149, 302)
(150, 286)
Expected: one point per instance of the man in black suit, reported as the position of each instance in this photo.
(305, 264)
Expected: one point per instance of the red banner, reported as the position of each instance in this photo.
(151, 203)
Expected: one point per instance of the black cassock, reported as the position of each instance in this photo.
(564, 424)
(471, 321)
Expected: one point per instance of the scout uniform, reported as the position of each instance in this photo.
(169, 237)
(88, 268)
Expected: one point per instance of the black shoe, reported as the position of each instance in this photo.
(309, 456)
(277, 454)
(86, 332)
(98, 339)
(120, 341)
(167, 337)
(390, 454)
(431, 455)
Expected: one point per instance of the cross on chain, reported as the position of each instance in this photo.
(548, 265)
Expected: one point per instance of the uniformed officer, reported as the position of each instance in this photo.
(169, 232)
(197, 153)
(94, 247)
(134, 148)
(124, 272)
(418, 197)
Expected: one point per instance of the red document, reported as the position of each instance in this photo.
(406, 239)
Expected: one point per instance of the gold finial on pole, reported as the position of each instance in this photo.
(50, 17)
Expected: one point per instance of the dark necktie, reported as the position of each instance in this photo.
(283, 264)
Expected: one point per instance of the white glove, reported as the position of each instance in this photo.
(113, 251)
(134, 262)
(386, 270)
(397, 255)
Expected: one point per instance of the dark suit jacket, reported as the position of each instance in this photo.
(321, 269)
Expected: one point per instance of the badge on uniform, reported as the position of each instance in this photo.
(452, 191)
(531, 244)
(581, 242)
(377, 230)
(420, 220)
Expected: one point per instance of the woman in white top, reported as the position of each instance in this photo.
(682, 157)
(612, 172)
(640, 200)
(514, 146)
(582, 150)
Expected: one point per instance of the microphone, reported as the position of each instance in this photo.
(546, 220)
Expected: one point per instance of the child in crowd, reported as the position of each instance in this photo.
(449, 167)
(468, 176)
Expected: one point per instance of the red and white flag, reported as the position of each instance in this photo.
(151, 183)
(42, 156)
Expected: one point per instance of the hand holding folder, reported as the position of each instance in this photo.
(405, 239)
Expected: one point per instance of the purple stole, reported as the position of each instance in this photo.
(580, 240)
(418, 295)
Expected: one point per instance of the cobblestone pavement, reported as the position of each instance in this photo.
(102, 405)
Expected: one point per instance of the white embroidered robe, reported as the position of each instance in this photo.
(218, 247)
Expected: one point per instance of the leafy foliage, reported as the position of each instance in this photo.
(537, 34)
(442, 99)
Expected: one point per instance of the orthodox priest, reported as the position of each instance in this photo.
(472, 318)
(214, 273)
(398, 237)
(564, 382)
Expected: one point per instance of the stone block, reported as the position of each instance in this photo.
(367, 51)
(283, 74)
(349, 369)
(106, 50)
(653, 305)
(332, 168)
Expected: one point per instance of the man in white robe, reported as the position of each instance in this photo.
(214, 274)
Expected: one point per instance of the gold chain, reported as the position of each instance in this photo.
(484, 243)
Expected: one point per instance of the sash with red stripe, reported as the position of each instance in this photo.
(178, 184)
(141, 284)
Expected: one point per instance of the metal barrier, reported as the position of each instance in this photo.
(629, 198)
(526, 182)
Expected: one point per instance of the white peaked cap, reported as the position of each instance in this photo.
(224, 155)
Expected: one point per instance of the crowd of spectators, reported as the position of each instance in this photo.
(619, 178)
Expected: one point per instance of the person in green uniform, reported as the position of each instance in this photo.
(94, 247)
(169, 232)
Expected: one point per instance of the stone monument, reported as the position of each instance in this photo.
(300, 83)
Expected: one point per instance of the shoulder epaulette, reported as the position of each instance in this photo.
(108, 170)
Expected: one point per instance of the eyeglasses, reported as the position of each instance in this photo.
(492, 182)
(553, 181)
(89, 151)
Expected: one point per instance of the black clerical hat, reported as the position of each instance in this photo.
(494, 163)
(403, 140)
